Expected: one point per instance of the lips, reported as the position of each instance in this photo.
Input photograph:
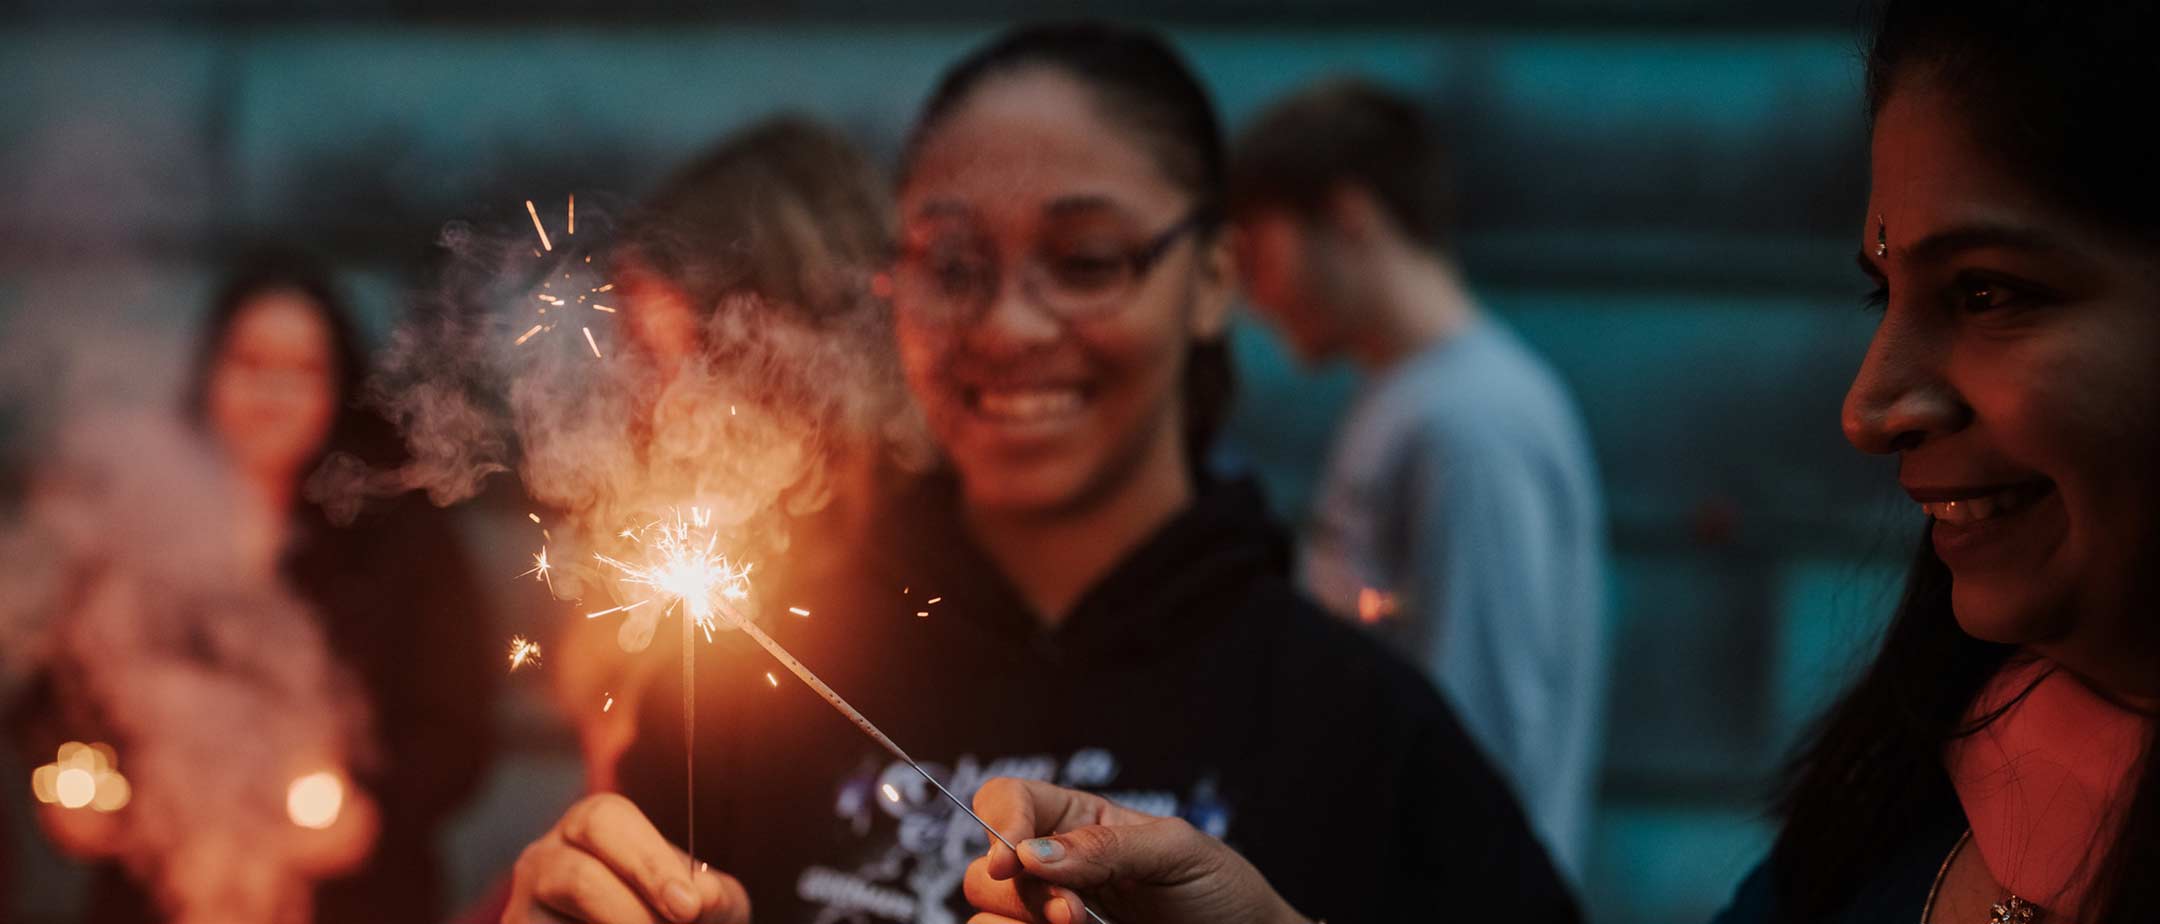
(1993, 528)
(1026, 405)
(1966, 506)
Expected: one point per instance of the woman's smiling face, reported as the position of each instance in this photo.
(2016, 373)
(1027, 194)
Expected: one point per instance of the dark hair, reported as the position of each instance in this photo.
(1141, 82)
(1347, 131)
(2054, 89)
(355, 430)
(787, 209)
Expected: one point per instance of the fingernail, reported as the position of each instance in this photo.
(682, 902)
(1072, 912)
(1045, 849)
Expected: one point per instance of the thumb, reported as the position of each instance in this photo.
(1165, 851)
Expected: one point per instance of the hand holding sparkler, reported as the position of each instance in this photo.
(605, 863)
(1152, 869)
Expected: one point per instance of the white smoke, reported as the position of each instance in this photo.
(157, 618)
(753, 428)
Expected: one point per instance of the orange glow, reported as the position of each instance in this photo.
(314, 801)
(74, 788)
(113, 793)
(523, 651)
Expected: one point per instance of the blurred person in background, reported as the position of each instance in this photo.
(782, 225)
(274, 388)
(1459, 515)
(1073, 599)
(1996, 761)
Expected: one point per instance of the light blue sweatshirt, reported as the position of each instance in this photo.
(1460, 517)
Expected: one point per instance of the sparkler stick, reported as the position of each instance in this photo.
(689, 737)
(861, 721)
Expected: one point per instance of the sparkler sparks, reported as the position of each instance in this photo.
(553, 299)
(545, 244)
(682, 568)
(541, 571)
(523, 651)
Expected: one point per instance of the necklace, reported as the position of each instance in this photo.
(2011, 910)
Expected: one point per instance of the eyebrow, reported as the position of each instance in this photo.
(1059, 208)
(944, 208)
(1949, 242)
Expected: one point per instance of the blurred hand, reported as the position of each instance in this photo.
(1140, 869)
(604, 863)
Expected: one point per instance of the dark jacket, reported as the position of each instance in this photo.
(1193, 680)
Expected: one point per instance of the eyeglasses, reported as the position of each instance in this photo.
(951, 274)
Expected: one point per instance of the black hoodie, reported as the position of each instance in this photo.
(1192, 681)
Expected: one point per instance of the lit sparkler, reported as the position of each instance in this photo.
(684, 568)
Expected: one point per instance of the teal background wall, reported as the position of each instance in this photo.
(1662, 197)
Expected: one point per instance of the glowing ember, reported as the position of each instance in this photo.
(1374, 605)
(74, 788)
(523, 651)
(533, 516)
(891, 793)
(589, 342)
(933, 601)
(528, 335)
(545, 244)
(769, 678)
(573, 213)
(610, 704)
(541, 571)
(799, 611)
(314, 801)
(82, 776)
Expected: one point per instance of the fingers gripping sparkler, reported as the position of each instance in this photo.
(810, 679)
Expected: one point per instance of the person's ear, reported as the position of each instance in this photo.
(1215, 283)
(1353, 213)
